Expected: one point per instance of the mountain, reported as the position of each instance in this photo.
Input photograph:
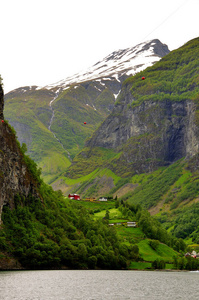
(154, 121)
(51, 119)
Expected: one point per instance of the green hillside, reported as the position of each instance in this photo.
(28, 111)
(30, 115)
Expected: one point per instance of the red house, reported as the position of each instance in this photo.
(74, 196)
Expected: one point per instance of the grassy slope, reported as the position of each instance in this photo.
(174, 77)
(30, 114)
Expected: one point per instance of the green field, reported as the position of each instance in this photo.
(137, 265)
(114, 214)
(130, 235)
(163, 252)
(97, 206)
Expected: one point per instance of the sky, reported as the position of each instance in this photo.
(45, 41)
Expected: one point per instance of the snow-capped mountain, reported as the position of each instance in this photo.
(119, 63)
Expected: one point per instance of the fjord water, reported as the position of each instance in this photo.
(98, 285)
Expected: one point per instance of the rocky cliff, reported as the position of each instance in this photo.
(15, 176)
(150, 135)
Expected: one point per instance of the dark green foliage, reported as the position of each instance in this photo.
(151, 191)
(151, 227)
(153, 230)
(154, 244)
(158, 264)
(187, 223)
(107, 215)
(186, 263)
(57, 233)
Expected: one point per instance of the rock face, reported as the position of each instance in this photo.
(153, 134)
(15, 178)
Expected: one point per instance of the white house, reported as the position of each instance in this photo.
(103, 199)
(131, 224)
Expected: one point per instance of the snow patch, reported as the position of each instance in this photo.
(116, 95)
(97, 88)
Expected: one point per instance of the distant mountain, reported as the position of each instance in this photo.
(51, 119)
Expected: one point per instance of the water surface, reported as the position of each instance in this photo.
(98, 285)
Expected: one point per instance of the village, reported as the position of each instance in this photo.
(77, 197)
(103, 199)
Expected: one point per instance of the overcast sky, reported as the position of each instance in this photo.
(44, 41)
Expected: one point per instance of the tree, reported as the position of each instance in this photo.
(24, 148)
(82, 252)
(158, 264)
(107, 215)
(154, 244)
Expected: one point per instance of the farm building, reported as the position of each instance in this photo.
(131, 224)
(91, 199)
(103, 199)
(74, 196)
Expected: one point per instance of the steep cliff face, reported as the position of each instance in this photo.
(15, 178)
(152, 134)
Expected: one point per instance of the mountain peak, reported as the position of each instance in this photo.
(127, 61)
